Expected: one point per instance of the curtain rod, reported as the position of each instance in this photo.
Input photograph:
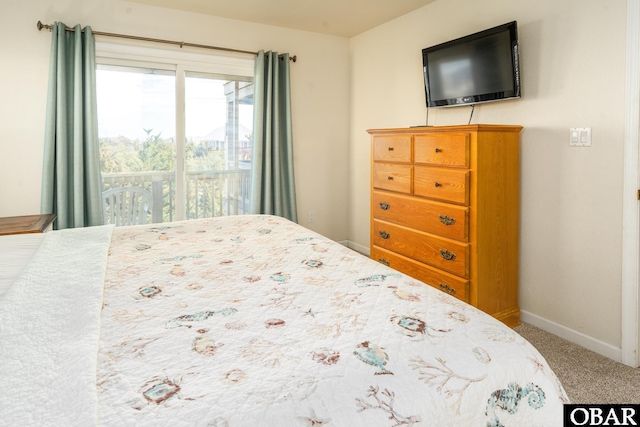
(49, 27)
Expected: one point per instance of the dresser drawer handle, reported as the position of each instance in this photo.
(447, 220)
(384, 262)
(448, 255)
(384, 206)
(389, 178)
(438, 150)
(384, 234)
(448, 289)
(390, 148)
(437, 184)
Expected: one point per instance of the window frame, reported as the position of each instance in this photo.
(181, 61)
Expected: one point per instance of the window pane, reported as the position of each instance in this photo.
(218, 120)
(136, 127)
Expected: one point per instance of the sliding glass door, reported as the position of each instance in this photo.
(218, 120)
(184, 136)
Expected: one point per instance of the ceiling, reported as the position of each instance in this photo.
(344, 18)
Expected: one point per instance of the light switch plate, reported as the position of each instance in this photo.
(580, 137)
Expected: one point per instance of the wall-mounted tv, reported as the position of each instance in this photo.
(480, 67)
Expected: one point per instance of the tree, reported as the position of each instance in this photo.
(118, 156)
(157, 155)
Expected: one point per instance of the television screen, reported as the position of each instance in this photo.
(481, 67)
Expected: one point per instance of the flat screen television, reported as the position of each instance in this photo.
(480, 67)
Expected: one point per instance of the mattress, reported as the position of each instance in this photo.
(252, 321)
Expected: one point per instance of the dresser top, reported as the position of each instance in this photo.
(25, 224)
(441, 129)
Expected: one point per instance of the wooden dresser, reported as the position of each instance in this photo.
(445, 210)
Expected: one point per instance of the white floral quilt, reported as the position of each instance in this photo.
(256, 321)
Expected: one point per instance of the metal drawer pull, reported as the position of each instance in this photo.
(448, 289)
(438, 150)
(389, 178)
(438, 184)
(390, 148)
(449, 256)
(447, 220)
(384, 262)
(385, 235)
(384, 206)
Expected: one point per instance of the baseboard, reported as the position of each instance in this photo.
(364, 250)
(590, 343)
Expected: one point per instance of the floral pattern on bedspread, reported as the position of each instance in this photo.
(256, 321)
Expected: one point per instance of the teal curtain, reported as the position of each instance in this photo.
(71, 180)
(272, 179)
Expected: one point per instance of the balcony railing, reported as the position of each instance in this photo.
(208, 193)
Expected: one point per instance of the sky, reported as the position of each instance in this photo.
(129, 102)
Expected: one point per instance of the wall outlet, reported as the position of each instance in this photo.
(312, 217)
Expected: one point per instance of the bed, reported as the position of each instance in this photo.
(250, 321)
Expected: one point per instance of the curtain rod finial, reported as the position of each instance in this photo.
(40, 26)
(294, 58)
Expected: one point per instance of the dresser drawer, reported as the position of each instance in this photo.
(449, 149)
(392, 148)
(445, 282)
(450, 185)
(438, 218)
(445, 254)
(392, 177)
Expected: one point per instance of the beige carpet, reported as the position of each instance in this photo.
(586, 376)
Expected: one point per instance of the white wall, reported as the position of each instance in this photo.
(572, 56)
(319, 80)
